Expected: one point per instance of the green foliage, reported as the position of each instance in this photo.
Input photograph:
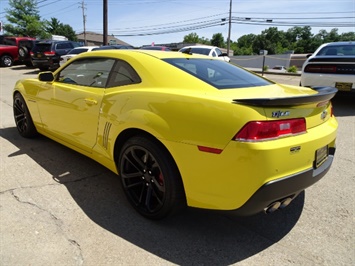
(54, 26)
(292, 69)
(24, 21)
(218, 40)
(265, 68)
(191, 38)
(297, 39)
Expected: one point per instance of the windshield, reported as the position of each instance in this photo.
(219, 74)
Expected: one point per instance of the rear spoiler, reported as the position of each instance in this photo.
(324, 94)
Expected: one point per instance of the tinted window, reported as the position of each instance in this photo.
(219, 52)
(64, 45)
(204, 51)
(123, 74)
(92, 72)
(338, 50)
(42, 47)
(9, 41)
(217, 73)
(78, 51)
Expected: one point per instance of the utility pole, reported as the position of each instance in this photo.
(105, 24)
(229, 27)
(84, 20)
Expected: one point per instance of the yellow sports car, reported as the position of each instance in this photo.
(184, 130)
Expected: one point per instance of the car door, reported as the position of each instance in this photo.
(70, 106)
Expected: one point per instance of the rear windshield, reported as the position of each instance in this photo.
(42, 47)
(197, 50)
(219, 74)
(339, 50)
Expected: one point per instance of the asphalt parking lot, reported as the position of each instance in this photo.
(58, 207)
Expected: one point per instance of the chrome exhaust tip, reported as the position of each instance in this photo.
(285, 202)
(273, 207)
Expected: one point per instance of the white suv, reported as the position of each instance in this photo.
(206, 50)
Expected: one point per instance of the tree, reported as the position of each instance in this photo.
(24, 19)
(191, 38)
(54, 26)
(218, 40)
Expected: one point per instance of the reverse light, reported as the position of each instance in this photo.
(255, 131)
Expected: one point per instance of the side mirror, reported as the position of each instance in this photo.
(46, 76)
(223, 54)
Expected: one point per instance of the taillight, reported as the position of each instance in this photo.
(31, 53)
(49, 53)
(267, 130)
(319, 68)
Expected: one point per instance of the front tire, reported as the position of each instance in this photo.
(6, 61)
(150, 178)
(23, 117)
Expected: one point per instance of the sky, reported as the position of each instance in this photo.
(143, 22)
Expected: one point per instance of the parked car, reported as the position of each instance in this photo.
(46, 54)
(183, 129)
(279, 68)
(206, 50)
(74, 52)
(332, 64)
(110, 47)
(10, 50)
(155, 47)
(8, 54)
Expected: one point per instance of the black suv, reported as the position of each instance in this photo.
(46, 54)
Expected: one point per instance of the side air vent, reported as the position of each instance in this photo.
(106, 134)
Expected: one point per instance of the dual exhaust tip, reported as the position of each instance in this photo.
(277, 205)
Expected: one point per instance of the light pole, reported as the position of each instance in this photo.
(229, 27)
(105, 23)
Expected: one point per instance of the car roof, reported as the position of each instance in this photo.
(339, 43)
(200, 46)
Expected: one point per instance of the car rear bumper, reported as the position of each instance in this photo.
(341, 82)
(285, 188)
(45, 63)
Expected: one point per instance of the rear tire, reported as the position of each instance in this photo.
(23, 118)
(150, 178)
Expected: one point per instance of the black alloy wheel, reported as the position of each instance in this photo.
(23, 118)
(150, 178)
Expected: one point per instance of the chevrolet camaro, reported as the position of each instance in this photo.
(184, 130)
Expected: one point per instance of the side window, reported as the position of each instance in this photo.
(214, 54)
(123, 74)
(219, 52)
(64, 45)
(91, 72)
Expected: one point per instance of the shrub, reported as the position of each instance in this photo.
(292, 69)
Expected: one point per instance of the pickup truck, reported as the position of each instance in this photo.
(9, 50)
(8, 54)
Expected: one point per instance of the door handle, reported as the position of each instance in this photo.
(90, 101)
